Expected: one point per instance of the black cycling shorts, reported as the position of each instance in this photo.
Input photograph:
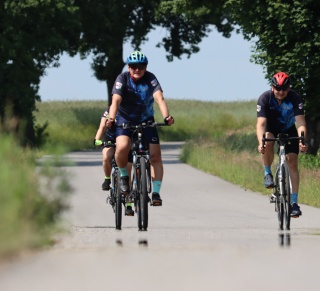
(293, 145)
(150, 133)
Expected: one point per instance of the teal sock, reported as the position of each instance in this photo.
(294, 198)
(156, 185)
(267, 170)
(123, 172)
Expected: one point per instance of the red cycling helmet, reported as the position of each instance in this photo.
(280, 81)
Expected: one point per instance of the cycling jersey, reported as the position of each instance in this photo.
(280, 118)
(137, 96)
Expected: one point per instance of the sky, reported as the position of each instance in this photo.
(220, 71)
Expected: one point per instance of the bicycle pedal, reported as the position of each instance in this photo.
(156, 203)
(273, 198)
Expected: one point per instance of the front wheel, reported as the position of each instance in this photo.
(279, 203)
(118, 206)
(287, 195)
(143, 197)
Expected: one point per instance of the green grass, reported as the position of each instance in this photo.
(28, 216)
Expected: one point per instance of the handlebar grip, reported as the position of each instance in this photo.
(302, 138)
(263, 140)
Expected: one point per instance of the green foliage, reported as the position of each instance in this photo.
(188, 23)
(28, 214)
(32, 36)
(185, 21)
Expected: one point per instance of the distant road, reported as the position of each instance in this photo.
(208, 235)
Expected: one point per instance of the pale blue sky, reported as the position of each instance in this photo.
(221, 71)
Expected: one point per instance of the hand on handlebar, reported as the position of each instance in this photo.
(261, 149)
(303, 147)
(169, 120)
(97, 142)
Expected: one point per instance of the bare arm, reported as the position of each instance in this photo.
(116, 100)
(301, 124)
(102, 128)
(158, 97)
(260, 130)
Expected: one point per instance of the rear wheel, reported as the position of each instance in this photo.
(118, 206)
(143, 194)
(279, 203)
(287, 195)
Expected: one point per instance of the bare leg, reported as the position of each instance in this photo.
(122, 150)
(156, 162)
(292, 159)
(107, 154)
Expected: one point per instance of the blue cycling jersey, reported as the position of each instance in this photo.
(280, 117)
(137, 96)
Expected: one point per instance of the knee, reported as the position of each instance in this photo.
(155, 159)
(292, 161)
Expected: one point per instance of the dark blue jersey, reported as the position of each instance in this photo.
(137, 96)
(279, 117)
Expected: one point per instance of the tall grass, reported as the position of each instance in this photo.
(27, 217)
(71, 124)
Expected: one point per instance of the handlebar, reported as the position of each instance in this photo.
(281, 137)
(141, 125)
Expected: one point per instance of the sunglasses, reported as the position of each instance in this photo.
(281, 88)
(138, 66)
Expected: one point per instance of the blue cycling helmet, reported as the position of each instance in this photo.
(137, 58)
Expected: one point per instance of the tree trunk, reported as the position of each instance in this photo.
(313, 134)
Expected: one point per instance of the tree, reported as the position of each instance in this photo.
(33, 34)
(287, 38)
(108, 24)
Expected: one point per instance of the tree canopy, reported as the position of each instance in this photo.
(34, 34)
(107, 25)
(31, 39)
(287, 38)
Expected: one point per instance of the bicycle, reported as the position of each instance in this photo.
(112, 199)
(281, 195)
(140, 177)
(116, 199)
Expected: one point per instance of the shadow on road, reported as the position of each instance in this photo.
(284, 239)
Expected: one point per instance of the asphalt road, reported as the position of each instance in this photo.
(208, 235)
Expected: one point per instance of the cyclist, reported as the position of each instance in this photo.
(133, 95)
(108, 151)
(280, 110)
(108, 147)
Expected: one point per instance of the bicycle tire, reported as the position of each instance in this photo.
(144, 199)
(118, 208)
(279, 204)
(149, 186)
(137, 197)
(287, 195)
